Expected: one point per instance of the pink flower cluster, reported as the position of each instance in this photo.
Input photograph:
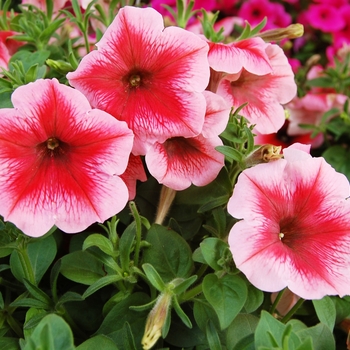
(161, 93)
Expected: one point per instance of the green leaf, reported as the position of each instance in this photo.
(242, 326)
(169, 254)
(81, 267)
(273, 333)
(128, 338)
(254, 300)
(113, 324)
(99, 241)
(183, 317)
(182, 287)
(212, 250)
(227, 296)
(125, 245)
(202, 311)
(212, 336)
(31, 58)
(269, 331)
(5, 102)
(325, 310)
(102, 282)
(30, 302)
(307, 344)
(9, 343)
(98, 342)
(37, 293)
(321, 335)
(41, 254)
(45, 335)
(214, 203)
(69, 297)
(339, 158)
(154, 277)
(230, 152)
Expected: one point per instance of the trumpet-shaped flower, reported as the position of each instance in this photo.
(265, 94)
(60, 160)
(148, 76)
(179, 162)
(295, 230)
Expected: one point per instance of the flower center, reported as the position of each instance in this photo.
(52, 143)
(135, 80)
(53, 147)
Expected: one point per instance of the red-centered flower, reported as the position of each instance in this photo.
(60, 160)
(148, 76)
(179, 162)
(265, 94)
(295, 230)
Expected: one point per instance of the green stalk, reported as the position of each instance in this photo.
(292, 311)
(137, 219)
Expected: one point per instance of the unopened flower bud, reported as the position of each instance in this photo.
(156, 320)
(293, 31)
(264, 154)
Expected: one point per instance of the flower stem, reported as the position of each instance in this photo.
(275, 303)
(190, 294)
(292, 311)
(137, 218)
(166, 199)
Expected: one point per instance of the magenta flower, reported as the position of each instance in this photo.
(60, 160)
(325, 17)
(148, 76)
(295, 230)
(265, 94)
(254, 11)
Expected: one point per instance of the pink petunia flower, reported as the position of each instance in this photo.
(179, 162)
(227, 59)
(310, 109)
(254, 11)
(148, 76)
(282, 138)
(324, 17)
(7, 47)
(265, 93)
(60, 160)
(295, 230)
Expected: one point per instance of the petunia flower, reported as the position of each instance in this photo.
(265, 93)
(7, 47)
(295, 230)
(60, 160)
(148, 76)
(322, 16)
(179, 162)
